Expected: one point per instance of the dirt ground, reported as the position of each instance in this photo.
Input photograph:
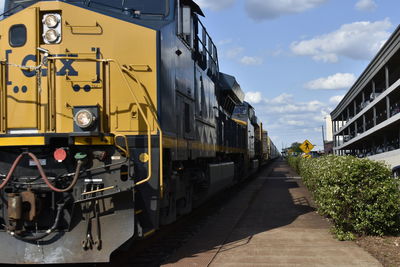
(385, 249)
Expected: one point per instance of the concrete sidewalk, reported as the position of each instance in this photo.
(271, 222)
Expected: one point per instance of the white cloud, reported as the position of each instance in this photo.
(358, 40)
(282, 99)
(333, 82)
(336, 99)
(253, 97)
(295, 123)
(286, 104)
(234, 52)
(246, 60)
(270, 9)
(215, 5)
(289, 119)
(293, 108)
(314, 105)
(366, 5)
(224, 42)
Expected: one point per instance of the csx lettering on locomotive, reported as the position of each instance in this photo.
(66, 68)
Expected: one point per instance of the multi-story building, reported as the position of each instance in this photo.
(366, 123)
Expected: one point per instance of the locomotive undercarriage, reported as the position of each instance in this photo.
(190, 183)
(48, 202)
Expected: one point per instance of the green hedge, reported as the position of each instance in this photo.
(360, 196)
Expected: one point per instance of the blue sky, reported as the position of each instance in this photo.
(295, 59)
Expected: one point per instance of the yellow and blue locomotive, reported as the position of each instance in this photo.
(114, 120)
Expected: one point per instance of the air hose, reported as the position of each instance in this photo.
(42, 173)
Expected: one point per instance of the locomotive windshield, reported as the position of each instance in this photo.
(240, 110)
(128, 7)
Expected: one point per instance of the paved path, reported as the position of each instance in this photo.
(271, 222)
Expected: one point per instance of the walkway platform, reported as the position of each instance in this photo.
(272, 222)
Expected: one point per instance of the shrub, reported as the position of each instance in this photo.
(360, 196)
(294, 163)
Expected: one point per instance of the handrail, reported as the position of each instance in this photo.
(154, 115)
(213, 54)
(126, 149)
(123, 70)
(51, 84)
(84, 27)
(3, 100)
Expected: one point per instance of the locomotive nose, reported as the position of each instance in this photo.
(38, 66)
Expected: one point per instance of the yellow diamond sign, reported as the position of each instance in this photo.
(306, 146)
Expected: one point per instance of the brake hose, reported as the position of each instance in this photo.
(42, 173)
(8, 177)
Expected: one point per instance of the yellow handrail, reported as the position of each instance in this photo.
(154, 114)
(126, 149)
(3, 108)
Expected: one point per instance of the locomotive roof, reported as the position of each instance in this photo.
(195, 7)
(229, 85)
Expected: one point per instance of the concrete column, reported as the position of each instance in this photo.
(355, 107)
(386, 77)
(374, 115)
(387, 107)
(355, 128)
(364, 123)
(373, 87)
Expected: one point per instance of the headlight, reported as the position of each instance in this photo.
(84, 118)
(52, 30)
(51, 36)
(51, 20)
